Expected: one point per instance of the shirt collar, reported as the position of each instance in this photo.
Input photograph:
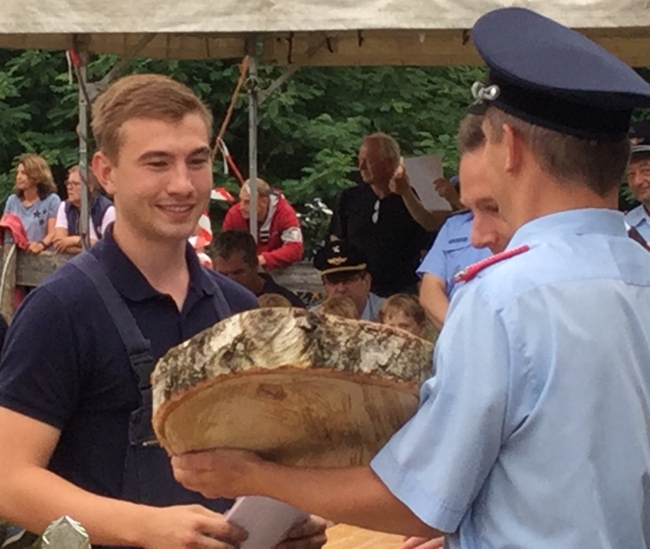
(636, 216)
(583, 221)
(131, 283)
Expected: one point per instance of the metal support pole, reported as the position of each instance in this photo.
(84, 130)
(253, 105)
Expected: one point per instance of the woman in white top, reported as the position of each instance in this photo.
(66, 233)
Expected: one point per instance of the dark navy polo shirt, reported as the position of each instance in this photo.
(64, 363)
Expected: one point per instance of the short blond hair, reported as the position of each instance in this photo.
(38, 171)
(599, 165)
(273, 300)
(387, 147)
(263, 188)
(405, 303)
(339, 305)
(151, 96)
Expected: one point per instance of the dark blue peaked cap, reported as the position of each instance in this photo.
(554, 77)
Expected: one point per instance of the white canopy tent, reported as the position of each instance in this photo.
(301, 32)
(338, 32)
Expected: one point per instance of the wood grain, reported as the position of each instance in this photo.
(296, 387)
(344, 536)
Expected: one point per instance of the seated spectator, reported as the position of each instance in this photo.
(373, 218)
(339, 305)
(405, 312)
(279, 238)
(234, 255)
(273, 300)
(638, 178)
(102, 213)
(344, 270)
(34, 201)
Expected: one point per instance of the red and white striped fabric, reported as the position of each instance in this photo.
(219, 193)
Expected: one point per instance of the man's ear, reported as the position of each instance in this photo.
(368, 280)
(103, 169)
(514, 149)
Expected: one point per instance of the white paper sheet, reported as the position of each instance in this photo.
(423, 171)
(266, 520)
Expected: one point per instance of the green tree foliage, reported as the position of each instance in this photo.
(309, 130)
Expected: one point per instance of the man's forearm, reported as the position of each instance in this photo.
(434, 300)
(430, 220)
(283, 256)
(353, 495)
(33, 497)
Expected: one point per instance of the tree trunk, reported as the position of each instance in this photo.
(294, 386)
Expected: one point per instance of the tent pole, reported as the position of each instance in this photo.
(83, 131)
(253, 105)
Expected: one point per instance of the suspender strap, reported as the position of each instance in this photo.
(137, 347)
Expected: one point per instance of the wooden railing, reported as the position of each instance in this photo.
(23, 269)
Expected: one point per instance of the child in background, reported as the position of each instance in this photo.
(405, 312)
(273, 300)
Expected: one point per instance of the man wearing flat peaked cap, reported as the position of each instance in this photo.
(534, 431)
(638, 178)
(343, 267)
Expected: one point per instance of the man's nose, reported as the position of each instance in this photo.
(481, 238)
(180, 182)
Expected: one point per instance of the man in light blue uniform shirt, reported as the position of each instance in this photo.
(451, 251)
(638, 178)
(535, 430)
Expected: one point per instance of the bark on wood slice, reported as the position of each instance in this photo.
(296, 387)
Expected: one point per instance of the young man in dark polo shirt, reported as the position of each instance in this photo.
(372, 218)
(75, 433)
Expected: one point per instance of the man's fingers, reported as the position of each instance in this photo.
(310, 527)
(196, 461)
(412, 542)
(423, 543)
(312, 542)
(216, 526)
(207, 542)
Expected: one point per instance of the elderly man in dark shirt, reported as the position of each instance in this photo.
(376, 220)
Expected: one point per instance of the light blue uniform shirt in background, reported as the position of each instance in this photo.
(534, 432)
(452, 250)
(34, 217)
(640, 220)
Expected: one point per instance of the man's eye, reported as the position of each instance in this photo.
(198, 162)
(157, 164)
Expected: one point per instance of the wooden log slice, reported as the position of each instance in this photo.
(297, 387)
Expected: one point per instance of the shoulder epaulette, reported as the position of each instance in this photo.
(470, 272)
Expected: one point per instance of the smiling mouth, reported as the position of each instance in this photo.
(178, 208)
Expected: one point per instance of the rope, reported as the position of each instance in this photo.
(219, 144)
(243, 70)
